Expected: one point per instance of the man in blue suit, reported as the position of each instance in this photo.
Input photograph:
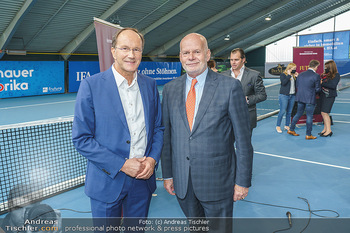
(117, 127)
(199, 161)
(308, 84)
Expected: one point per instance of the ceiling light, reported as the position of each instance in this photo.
(16, 52)
(227, 37)
(268, 18)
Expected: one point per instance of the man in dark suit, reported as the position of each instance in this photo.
(252, 83)
(203, 114)
(308, 84)
(117, 127)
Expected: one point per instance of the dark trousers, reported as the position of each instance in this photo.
(133, 203)
(217, 214)
(309, 110)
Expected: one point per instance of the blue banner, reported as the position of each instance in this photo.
(336, 44)
(162, 72)
(343, 67)
(79, 70)
(27, 78)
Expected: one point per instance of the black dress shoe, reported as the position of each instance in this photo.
(326, 135)
(320, 133)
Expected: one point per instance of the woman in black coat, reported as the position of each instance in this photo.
(329, 82)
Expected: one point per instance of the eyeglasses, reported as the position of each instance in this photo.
(127, 50)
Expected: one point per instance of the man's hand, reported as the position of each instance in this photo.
(149, 164)
(240, 193)
(169, 186)
(133, 167)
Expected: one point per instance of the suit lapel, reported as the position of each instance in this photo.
(145, 100)
(208, 93)
(116, 103)
(182, 100)
(245, 80)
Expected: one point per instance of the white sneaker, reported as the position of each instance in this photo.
(286, 127)
(278, 129)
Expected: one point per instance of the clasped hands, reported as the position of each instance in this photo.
(139, 168)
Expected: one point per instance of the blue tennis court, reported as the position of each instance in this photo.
(285, 167)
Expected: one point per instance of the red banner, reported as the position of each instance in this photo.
(104, 34)
(303, 55)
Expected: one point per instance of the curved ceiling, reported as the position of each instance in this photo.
(65, 27)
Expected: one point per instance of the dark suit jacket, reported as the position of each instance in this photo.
(308, 84)
(285, 83)
(331, 85)
(253, 87)
(208, 151)
(100, 132)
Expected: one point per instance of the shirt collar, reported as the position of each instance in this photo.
(312, 70)
(240, 70)
(200, 78)
(120, 79)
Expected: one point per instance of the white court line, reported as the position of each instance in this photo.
(344, 74)
(339, 114)
(33, 105)
(273, 84)
(345, 122)
(302, 160)
(338, 102)
(266, 109)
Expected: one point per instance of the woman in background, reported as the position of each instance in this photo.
(287, 95)
(212, 65)
(329, 82)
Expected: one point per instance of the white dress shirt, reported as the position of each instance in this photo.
(134, 114)
(239, 77)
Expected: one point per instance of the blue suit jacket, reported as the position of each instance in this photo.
(208, 150)
(100, 132)
(308, 84)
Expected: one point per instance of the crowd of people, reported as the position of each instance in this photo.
(306, 90)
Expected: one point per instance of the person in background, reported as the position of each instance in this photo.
(204, 115)
(252, 83)
(212, 65)
(329, 82)
(287, 95)
(118, 127)
(308, 84)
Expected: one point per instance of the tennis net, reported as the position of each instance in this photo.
(37, 161)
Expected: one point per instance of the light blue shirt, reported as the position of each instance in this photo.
(199, 89)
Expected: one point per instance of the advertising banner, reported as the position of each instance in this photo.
(79, 70)
(104, 35)
(275, 69)
(27, 78)
(162, 72)
(336, 44)
(303, 55)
